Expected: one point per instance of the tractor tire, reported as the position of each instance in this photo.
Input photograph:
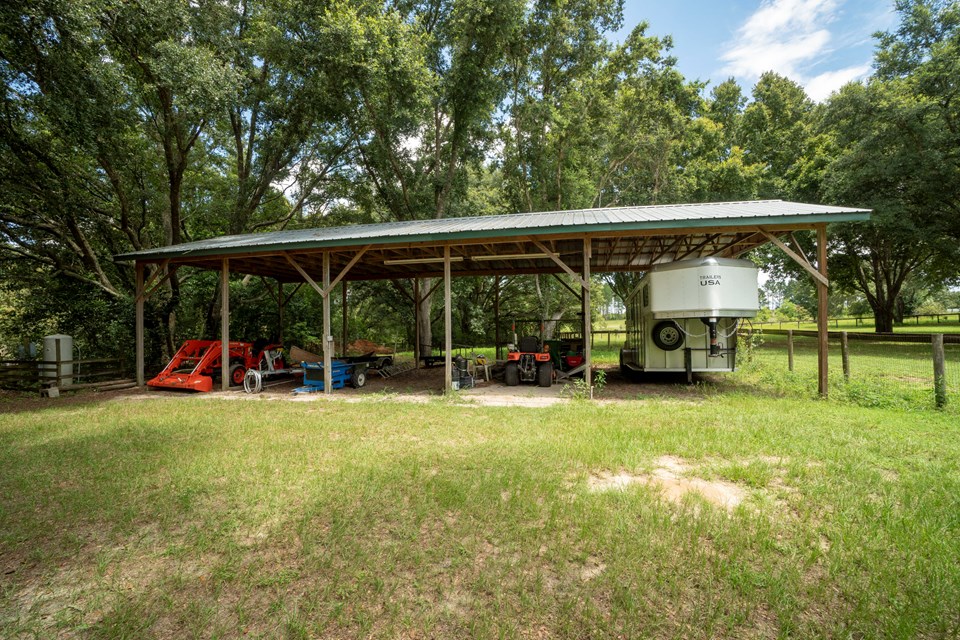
(237, 373)
(358, 378)
(667, 335)
(511, 375)
(545, 374)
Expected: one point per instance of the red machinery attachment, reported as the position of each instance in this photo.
(197, 361)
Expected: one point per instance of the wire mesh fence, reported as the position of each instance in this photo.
(878, 371)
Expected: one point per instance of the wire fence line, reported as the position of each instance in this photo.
(877, 371)
(860, 322)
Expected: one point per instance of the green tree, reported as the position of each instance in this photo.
(590, 123)
(891, 144)
(423, 121)
(774, 132)
(886, 159)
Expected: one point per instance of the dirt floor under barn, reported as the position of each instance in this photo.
(414, 385)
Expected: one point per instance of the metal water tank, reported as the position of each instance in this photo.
(64, 362)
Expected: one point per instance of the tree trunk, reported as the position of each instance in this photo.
(550, 326)
(883, 316)
(898, 310)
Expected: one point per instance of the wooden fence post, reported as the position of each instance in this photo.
(939, 371)
(845, 355)
(790, 349)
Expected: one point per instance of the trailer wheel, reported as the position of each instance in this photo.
(358, 379)
(237, 373)
(511, 374)
(545, 374)
(667, 335)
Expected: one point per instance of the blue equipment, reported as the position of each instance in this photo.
(354, 373)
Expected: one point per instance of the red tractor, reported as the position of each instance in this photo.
(529, 363)
(197, 363)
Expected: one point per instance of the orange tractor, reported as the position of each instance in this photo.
(528, 363)
(197, 363)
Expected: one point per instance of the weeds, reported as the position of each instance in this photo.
(580, 390)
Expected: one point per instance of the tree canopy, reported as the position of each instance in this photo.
(130, 125)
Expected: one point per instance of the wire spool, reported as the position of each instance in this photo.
(253, 381)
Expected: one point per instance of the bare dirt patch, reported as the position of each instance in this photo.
(671, 478)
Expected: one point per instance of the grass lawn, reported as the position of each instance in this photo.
(206, 517)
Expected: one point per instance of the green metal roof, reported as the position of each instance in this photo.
(621, 219)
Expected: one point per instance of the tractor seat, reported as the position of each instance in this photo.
(530, 344)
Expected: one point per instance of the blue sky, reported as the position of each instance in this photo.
(821, 44)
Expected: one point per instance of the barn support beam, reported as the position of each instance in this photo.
(818, 275)
(496, 317)
(344, 328)
(139, 325)
(280, 302)
(822, 320)
(327, 331)
(324, 290)
(447, 323)
(557, 277)
(560, 263)
(585, 306)
(225, 324)
(416, 323)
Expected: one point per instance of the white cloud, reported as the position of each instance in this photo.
(791, 37)
(781, 35)
(821, 86)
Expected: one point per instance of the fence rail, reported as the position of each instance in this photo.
(594, 335)
(924, 338)
(99, 373)
(863, 321)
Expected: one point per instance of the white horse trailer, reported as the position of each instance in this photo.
(684, 316)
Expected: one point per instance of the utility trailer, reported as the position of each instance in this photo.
(342, 373)
(683, 316)
(373, 360)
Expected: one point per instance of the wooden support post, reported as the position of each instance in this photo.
(845, 355)
(790, 349)
(939, 371)
(416, 323)
(327, 331)
(822, 322)
(343, 304)
(447, 322)
(280, 302)
(139, 326)
(587, 337)
(496, 317)
(225, 324)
